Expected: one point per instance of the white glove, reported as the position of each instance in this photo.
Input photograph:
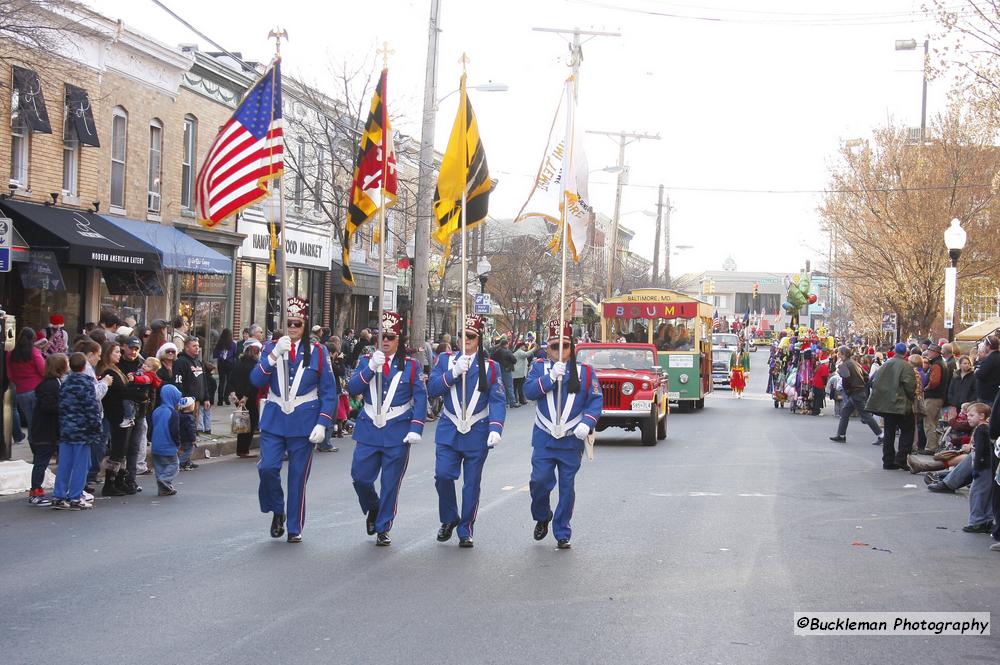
(376, 361)
(281, 348)
(412, 437)
(558, 371)
(581, 431)
(461, 366)
(493, 440)
(318, 434)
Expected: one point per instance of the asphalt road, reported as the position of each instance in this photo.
(698, 550)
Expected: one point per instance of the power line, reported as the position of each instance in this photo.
(246, 66)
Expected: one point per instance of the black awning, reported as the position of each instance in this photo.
(82, 238)
(82, 115)
(28, 100)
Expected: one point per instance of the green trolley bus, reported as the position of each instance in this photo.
(681, 329)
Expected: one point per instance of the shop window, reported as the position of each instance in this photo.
(246, 295)
(20, 141)
(300, 182)
(124, 306)
(119, 131)
(155, 163)
(188, 162)
(40, 303)
(320, 176)
(71, 157)
(260, 294)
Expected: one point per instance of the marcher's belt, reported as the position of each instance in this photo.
(388, 413)
(544, 423)
(289, 407)
(469, 422)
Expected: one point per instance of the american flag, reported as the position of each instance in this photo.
(247, 153)
(716, 322)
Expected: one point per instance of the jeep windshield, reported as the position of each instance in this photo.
(614, 358)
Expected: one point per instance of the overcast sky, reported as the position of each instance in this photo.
(756, 97)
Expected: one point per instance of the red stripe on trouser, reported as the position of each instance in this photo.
(399, 485)
(302, 500)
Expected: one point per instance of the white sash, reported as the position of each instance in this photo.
(288, 400)
(560, 422)
(387, 413)
(464, 421)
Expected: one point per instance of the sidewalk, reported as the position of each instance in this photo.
(220, 442)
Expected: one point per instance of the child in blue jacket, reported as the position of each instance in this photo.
(166, 439)
(80, 427)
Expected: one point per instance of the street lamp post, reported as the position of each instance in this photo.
(483, 270)
(954, 240)
(538, 286)
(911, 45)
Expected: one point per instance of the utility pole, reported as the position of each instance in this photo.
(425, 186)
(624, 139)
(666, 263)
(656, 243)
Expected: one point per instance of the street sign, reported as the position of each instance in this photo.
(483, 304)
(889, 322)
(6, 243)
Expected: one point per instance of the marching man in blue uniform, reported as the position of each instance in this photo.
(392, 419)
(557, 439)
(301, 397)
(467, 431)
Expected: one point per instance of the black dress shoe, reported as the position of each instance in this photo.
(878, 442)
(889, 467)
(940, 487)
(465, 542)
(564, 544)
(295, 537)
(839, 439)
(277, 525)
(541, 529)
(383, 540)
(444, 533)
(370, 521)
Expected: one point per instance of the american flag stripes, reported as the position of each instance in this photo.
(247, 153)
(716, 322)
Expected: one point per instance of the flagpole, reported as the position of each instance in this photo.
(464, 102)
(567, 164)
(381, 228)
(278, 34)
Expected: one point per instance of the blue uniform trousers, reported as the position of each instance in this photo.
(544, 464)
(368, 461)
(272, 500)
(448, 464)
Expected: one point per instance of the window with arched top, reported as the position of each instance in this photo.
(188, 172)
(119, 139)
(154, 191)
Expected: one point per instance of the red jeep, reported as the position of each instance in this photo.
(634, 386)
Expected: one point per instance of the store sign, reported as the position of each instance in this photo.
(302, 248)
(6, 243)
(42, 272)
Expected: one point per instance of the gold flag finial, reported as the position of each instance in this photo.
(385, 52)
(464, 60)
(277, 35)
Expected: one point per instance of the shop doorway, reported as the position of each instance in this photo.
(208, 318)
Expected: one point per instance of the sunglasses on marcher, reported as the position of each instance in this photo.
(388, 337)
(555, 346)
(471, 336)
(295, 324)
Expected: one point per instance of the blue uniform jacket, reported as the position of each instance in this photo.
(587, 404)
(410, 388)
(318, 376)
(440, 385)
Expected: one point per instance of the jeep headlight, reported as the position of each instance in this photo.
(628, 388)
(683, 378)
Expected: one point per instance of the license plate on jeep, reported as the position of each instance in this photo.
(641, 405)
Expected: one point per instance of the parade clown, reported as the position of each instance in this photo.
(470, 427)
(392, 419)
(558, 436)
(301, 397)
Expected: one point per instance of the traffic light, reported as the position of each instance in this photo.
(756, 290)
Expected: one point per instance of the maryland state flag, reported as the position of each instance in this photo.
(463, 170)
(374, 169)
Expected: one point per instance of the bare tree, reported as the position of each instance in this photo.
(890, 201)
(30, 30)
(968, 46)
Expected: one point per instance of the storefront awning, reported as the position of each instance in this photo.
(80, 238)
(178, 251)
(365, 279)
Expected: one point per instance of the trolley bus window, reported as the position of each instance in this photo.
(674, 334)
(631, 330)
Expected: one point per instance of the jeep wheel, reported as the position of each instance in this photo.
(648, 428)
(661, 428)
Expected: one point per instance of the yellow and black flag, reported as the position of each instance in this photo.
(374, 170)
(463, 170)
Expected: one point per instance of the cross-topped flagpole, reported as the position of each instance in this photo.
(464, 60)
(277, 35)
(385, 52)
